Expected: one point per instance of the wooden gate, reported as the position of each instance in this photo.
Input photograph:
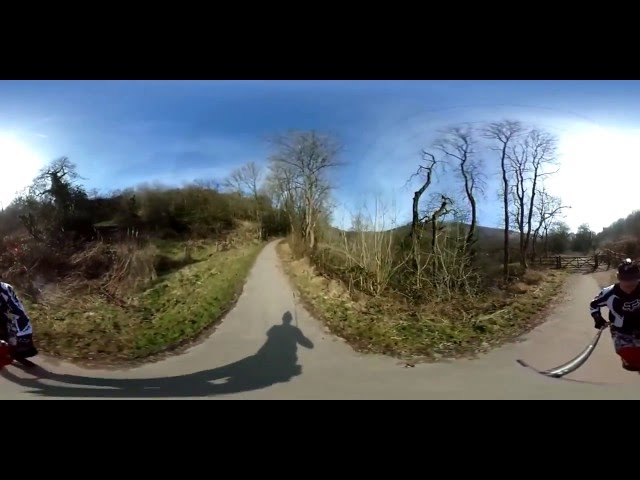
(601, 260)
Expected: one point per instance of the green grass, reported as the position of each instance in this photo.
(429, 331)
(178, 307)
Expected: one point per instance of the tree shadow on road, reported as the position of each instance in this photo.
(275, 362)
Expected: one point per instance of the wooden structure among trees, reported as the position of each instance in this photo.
(601, 260)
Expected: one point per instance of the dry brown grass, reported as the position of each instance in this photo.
(434, 329)
(93, 262)
(131, 312)
(533, 277)
(517, 288)
(133, 269)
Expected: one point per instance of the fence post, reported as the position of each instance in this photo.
(558, 262)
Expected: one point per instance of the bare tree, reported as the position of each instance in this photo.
(529, 159)
(301, 165)
(247, 180)
(208, 184)
(503, 133)
(426, 173)
(449, 267)
(56, 198)
(442, 211)
(547, 209)
(370, 247)
(358, 223)
(458, 144)
(285, 194)
(55, 182)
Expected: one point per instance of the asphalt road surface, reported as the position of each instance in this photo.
(268, 347)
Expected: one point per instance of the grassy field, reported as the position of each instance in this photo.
(184, 299)
(427, 332)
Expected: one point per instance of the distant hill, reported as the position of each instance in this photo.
(485, 234)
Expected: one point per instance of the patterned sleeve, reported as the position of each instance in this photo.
(15, 309)
(600, 300)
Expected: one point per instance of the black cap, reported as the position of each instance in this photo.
(628, 270)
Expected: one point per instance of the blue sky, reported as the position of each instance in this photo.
(122, 133)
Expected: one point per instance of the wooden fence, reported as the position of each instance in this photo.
(601, 260)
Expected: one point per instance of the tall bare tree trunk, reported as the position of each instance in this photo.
(503, 133)
(530, 156)
(505, 188)
(439, 213)
(458, 143)
(416, 228)
(298, 169)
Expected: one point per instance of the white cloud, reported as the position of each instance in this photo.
(598, 174)
(20, 165)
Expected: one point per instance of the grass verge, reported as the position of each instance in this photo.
(427, 332)
(175, 309)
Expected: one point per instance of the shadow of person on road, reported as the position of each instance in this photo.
(275, 362)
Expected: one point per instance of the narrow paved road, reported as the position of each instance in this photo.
(270, 348)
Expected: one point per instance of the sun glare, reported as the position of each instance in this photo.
(20, 166)
(598, 175)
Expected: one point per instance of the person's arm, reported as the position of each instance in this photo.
(597, 303)
(15, 309)
(302, 340)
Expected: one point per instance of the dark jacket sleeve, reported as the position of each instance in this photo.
(14, 307)
(600, 301)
